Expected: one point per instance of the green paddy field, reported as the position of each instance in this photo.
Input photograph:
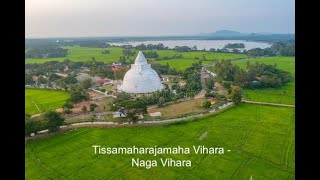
(41, 100)
(261, 140)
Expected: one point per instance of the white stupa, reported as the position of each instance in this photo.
(141, 78)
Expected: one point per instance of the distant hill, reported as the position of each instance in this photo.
(235, 35)
(218, 35)
(225, 33)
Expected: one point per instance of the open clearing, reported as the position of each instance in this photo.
(43, 100)
(177, 109)
(282, 95)
(261, 140)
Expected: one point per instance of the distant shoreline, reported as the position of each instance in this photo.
(254, 37)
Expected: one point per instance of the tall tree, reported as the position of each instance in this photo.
(86, 83)
(54, 120)
(236, 95)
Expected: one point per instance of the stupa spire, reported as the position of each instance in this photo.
(140, 59)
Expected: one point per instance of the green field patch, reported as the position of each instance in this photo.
(77, 53)
(282, 95)
(41, 100)
(181, 64)
(261, 140)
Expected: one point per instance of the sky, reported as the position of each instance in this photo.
(91, 18)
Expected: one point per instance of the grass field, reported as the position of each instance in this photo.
(43, 99)
(181, 64)
(283, 95)
(76, 53)
(199, 54)
(261, 140)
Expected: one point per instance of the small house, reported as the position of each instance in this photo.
(213, 100)
(35, 78)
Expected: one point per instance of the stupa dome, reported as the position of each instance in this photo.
(141, 78)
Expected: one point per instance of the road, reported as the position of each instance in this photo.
(202, 93)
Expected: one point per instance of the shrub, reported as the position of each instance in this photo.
(33, 126)
(206, 104)
(161, 102)
(92, 106)
(68, 105)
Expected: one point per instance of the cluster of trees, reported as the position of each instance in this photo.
(130, 107)
(175, 56)
(159, 97)
(256, 52)
(164, 69)
(206, 104)
(192, 77)
(128, 52)
(254, 76)
(51, 120)
(209, 83)
(185, 48)
(227, 50)
(159, 46)
(78, 95)
(125, 60)
(66, 83)
(48, 52)
(106, 51)
(282, 48)
(151, 54)
(234, 45)
(92, 44)
(269, 76)
(182, 48)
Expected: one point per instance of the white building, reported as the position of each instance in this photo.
(141, 78)
(118, 114)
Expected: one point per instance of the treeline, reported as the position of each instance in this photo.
(48, 52)
(147, 54)
(84, 43)
(283, 48)
(182, 48)
(175, 56)
(234, 45)
(159, 46)
(151, 54)
(92, 44)
(128, 52)
(50, 120)
(254, 76)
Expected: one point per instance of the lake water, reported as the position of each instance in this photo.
(201, 44)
